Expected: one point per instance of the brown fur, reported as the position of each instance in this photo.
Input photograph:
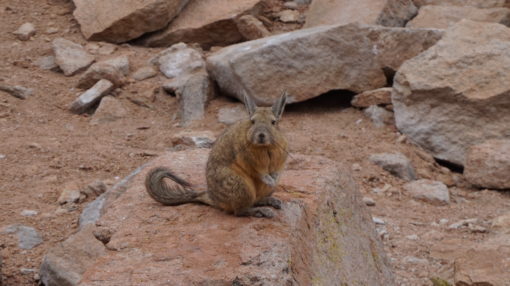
(242, 170)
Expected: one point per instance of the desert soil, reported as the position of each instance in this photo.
(46, 149)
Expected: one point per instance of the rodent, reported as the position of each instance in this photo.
(242, 170)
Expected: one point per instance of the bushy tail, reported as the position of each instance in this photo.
(180, 192)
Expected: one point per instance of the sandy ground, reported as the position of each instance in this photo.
(47, 150)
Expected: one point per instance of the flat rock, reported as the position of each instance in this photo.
(119, 21)
(395, 163)
(65, 263)
(47, 63)
(28, 237)
(433, 192)
(144, 73)
(110, 109)
(193, 97)
(351, 57)
(488, 164)
(441, 17)
(71, 57)
(17, 91)
(206, 22)
(380, 96)
(473, 3)
(179, 60)
(379, 116)
(25, 31)
(230, 115)
(251, 28)
(307, 241)
(193, 139)
(113, 70)
(91, 96)
(454, 94)
(393, 13)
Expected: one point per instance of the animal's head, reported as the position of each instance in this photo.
(264, 121)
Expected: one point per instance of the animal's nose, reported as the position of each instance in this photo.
(262, 136)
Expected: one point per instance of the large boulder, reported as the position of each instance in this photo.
(441, 17)
(488, 164)
(313, 61)
(206, 22)
(119, 21)
(456, 94)
(322, 235)
(392, 13)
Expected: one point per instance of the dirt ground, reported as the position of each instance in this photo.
(45, 149)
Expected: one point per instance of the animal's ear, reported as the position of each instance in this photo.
(279, 106)
(250, 105)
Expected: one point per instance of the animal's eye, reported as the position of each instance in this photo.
(252, 121)
(273, 122)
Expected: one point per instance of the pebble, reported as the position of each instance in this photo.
(29, 213)
(25, 31)
(368, 201)
(356, 167)
(378, 220)
(28, 237)
(412, 237)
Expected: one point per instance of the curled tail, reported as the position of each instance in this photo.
(179, 193)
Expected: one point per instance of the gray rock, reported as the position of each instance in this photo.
(28, 237)
(29, 213)
(251, 28)
(488, 164)
(193, 97)
(179, 60)
(379, 116)
(65, 263)
(195, 139)
(230, 115)
(17, 91)
(368, 201)
(351, 57)
(110, 109)
(113, 70)
(391, 13)
(395, 163)
(432, 192)
(71, 57)
(25, 31)
(91, 96)
(144, 73)
(47, 63)
(453, 96)
(96, 188)
(124, 20)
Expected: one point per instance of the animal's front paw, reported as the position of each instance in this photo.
(268, 180)
(263, 212)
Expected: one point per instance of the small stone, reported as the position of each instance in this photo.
(488, 164)
(443, 221)
(380, 96)
(25, 31)
(26, 271)
(94, 189)
(17, 91)
(47, 63)
(179, 60)
(356, 167)
(288, 16)
(110, 109)
(432, 192)
(28, 237)
(91, 96)
(379, 116)
(144, 73)
(291, 5)
(378, 220)
(69, 197)
(368, 201)
(51, 30)
(197, 139)
(412, 237)
(2, 156)
(251, 28)
(415, 260)
(231, 115)
(395, 163)
(71, 57)
(463, 223)
(29, 213)
(113, 70)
